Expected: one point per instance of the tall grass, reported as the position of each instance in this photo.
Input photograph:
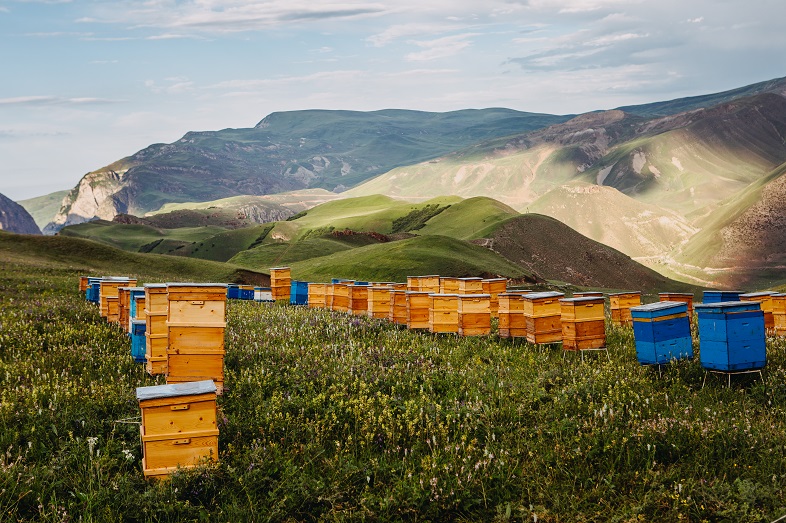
(333, 417)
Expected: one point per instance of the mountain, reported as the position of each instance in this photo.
(44, 208)
(14, 218)
(284, 152)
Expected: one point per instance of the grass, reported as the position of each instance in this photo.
(330, 417)
(133, 237)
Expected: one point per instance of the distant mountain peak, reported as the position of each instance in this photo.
(14, 218)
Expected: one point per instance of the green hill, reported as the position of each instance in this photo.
(44, 208)
(133, 237)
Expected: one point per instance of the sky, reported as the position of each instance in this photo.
(85, 83)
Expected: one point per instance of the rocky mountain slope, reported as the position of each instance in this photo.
(14, 218)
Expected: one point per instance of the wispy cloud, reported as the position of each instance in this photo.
(399, 31)
(55, 100)
(440, 47)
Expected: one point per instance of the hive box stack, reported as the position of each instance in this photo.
(448, 285)
(233, 291)
(379, 301)
(443, 313)
(83, 284)
(178, 426)
(512, 322)
(662, 332)
(721, 296)
(428, 284)
(316, 295)
(246, 292)
(124, 307)
(263, 294)
(139, 307)
(398, 306)
(138, 340)
(196, 320)
(620, 304)
(134, 293)
(329, 296)
(764, 299)
(474, 314)
(340, 301)
(280, 283)
(684, 297)
(470, 286)
(93, 290)
(731, 336)
(542, 313)
(358, 299)
(779, 313)
(156, 334)
(494, 287)
(583, 323)
(298, 292)
(418, 304)
(108, 289)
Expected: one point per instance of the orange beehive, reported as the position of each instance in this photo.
(329, 296)
(764, 299)
(583, 323)
(779, 313)
(156, 333)
(423, 283)
(683, 297)
(358, 299)
(113, 309)
(108, 288)
(280, 283)
(443, 313)
(494, 287)
(379, 301)
(512, 322)
(398, 307)
(124, 307)
(418, 305)
(83, 283)
(140, 308)
(470, 286)
(399, 286)
(340, 301)
(448, 285)
(178, 426)
(620, 304)
(542, 313)
(196, 321)
(474, 314)
(317, 295)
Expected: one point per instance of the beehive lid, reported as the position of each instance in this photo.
(676, 294)
(474, 278)
(582, 299)
(539, 295)
(418, 292)
(155, 286)
(115, 278)
(137, 322)
(138, 289)
(659, 306)
(470, 296)
(174, 390)
(623, 293)
(440, 295)
(727, 306)
(178, 284)
(761, 294)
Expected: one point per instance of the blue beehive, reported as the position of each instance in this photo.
(298, 294)
(233, 292)
(138, 340)
(94, 289)
(263, 294)
(246, 292)
(721, 296)
(731, 336)
(135, 291)
(662, 332)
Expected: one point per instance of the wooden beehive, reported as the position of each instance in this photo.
(108, 289)
(340, 301)
(443, 313)
(124, 307)
(316, 295)
(113, 309)
(418, 304)
(662, 332)
(470, 286)
(398, 307)
(474, 314)
(683, 297)
(178, 426)
(764, 299)
(512, 322)
(620, 304)
(83, 283)
(494, 287)
(448, 285)
(428, 283)
(140, 308)
(731, 336)
(280, 283)
(196, 321)
(542, 313)
(156, 332)
(588, 294)
(379, 301)
(358, 299)
(779, 313)
(720, 296)
(583, 323)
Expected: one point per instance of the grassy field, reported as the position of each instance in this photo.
(332, 417)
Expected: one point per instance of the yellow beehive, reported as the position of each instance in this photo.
(542, 314)
(140, 308)
(399, 286)
(470, 286)
(124, 307)
(329, 296)
(448, 285)
(317, 295)
(340, 297)
(113, 309)
(443, 313)
(358, 299)
(398, 307)
(764, 299)
(583, 323)
(379, 301)
(280, 283)
(474, 314)
(620, 304)
(423, 283)
(588, 294)
(512, 322)
(494, 287)
(418, 304)
(779, 313)
(178, 426)
(108, 288)
(156, 332)
(83, 283)
(682, 297)
(196, 321)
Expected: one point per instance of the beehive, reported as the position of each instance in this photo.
(474, 314)
(470, 285)
(233, 291)
(298, 292)
(139, 307)
(138, 340)
(196, 320)
(124, 307)
(156, 332)
(721, 296)
(280, 283)
(178, 426)
(683, 297)
(134, 293)
(112, 309)
(340, 297)
(448, 285)
(398, 307)
(93, 290)
(378, 301)
(443, 313)
(779, 313)
(316, 295)
(542, 313)
(764, 299)
(731, 336)
(494, 287)
(512, 322)
(246, 292)
(83, 283)
(418, 304)
(662, 332)
(583, 323)
(620, 304)
(329, 296)
(399, 286)
(263, 294)
(358, 299)
(423, 283)
(588, 294)
(108, 288)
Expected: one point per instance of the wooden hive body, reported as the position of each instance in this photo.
(83, 283)
(779, 313)
(470, 286)
(662, 332)
(494, 287)
(316, 296)
(448, 285)
(156, 331)
(108, 287)
(398, 307)
(443, 313)
(543, 316)
(720, 296)
(280, 283)
(379, 301)
(358, 299)
(620, 304)
(428, 283)
(140, 308)
(113, 309)
(474, 314)
(764, 299)
(178, 426)
(588, 294)
(512, 322)
(340, 297)
(583, 323)
(124, 307)
(329, 296)
(418, 304)
(731, 336)
(683, 297)
(298, 292)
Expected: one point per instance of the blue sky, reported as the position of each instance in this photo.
(85, 83)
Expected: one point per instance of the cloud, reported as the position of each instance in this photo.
(55, 100)
(698, 20)
(399, 31)
(440, 47)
